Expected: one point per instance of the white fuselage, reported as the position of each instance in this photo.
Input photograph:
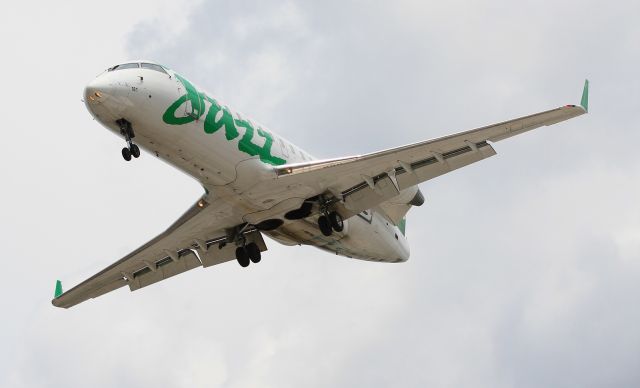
(184, 126)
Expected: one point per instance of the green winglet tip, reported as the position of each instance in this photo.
(58, 289)
(585, 96)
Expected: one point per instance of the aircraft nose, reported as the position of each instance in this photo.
(98, 89)
(104, 98)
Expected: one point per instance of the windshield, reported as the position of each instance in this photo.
(125, 66)
(144, 65)
(153, 66)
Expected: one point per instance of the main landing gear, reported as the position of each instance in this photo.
(330, 222)
(247, 250)
(247, 254)
(127, 131)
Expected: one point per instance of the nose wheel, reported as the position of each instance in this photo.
(131, 150)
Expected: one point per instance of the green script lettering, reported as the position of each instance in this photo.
(211, 125)
(193, 97)
(265, 154)
(217, 117)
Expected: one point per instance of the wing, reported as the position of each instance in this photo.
(362, 182)
(202, 229)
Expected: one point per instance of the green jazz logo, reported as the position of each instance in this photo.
(219, 117)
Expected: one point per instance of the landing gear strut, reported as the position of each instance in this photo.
(127, 131)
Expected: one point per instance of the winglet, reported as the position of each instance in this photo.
(58, 289)
(585, 96)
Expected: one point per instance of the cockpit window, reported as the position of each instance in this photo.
(125, 66)
(153, 66)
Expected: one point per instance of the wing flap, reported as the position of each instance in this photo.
(147, 276)
(362, 196)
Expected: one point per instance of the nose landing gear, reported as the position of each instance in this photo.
(127, 131)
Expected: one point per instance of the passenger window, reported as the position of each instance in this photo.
(153, 66)
(125, 66)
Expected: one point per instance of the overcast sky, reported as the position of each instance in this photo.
(525, 268)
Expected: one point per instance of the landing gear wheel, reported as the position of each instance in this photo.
(254, 252)
(126, 130)
(336, 221)
(325, 225)
(135, 151)
(242, 256)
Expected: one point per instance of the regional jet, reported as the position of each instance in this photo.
(258, 183)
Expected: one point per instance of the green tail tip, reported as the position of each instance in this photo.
(58, 288)
(585, 96)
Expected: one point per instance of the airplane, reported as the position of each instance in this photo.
(258, 183)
